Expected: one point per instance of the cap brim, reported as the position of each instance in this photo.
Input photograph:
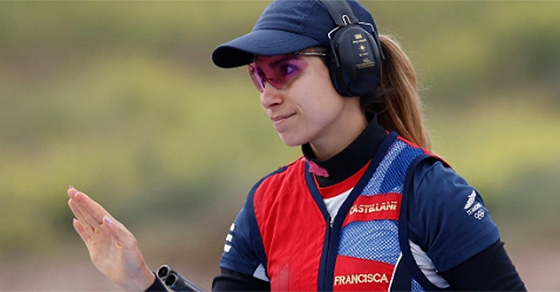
(241, 51)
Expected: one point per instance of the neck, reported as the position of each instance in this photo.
(346, 132)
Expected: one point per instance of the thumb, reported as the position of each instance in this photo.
(110, 225)
(119, 233)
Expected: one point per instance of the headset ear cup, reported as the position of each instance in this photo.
(336, 71)
(356, 61)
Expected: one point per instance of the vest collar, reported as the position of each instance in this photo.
(350, 159)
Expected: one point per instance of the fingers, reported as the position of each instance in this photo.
(92, 221)
(88, 212)
(71, 191)
(87, 220)
(90, 217)
(106, 231)
(81, 231)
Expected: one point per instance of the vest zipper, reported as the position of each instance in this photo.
(327, 275)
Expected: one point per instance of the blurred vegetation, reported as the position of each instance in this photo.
(121, 100)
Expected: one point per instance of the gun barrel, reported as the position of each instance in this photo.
(176, 281)
(163, 272)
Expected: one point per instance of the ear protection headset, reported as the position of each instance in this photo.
(355, 65)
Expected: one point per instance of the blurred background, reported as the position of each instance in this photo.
(121, 100)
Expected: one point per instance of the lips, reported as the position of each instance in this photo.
(278, 119)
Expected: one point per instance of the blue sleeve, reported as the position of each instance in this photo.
(239, 252)
(448, 218)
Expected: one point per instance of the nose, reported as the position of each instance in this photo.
(270, 96)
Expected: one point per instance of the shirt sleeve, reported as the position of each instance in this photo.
(448, 218)
(240, 254)
(489, 270)
(232, 281)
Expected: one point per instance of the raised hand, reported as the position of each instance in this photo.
(113, 249)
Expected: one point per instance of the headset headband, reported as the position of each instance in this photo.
(355, 65)
(340, 12)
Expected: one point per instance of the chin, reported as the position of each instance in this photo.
(292, 141)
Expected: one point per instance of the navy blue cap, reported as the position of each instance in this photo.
(285, 26)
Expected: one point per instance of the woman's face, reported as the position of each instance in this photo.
(300, 100)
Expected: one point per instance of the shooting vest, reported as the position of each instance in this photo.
(365, 247)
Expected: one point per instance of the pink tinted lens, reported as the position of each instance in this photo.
(276, 71)
(256, 76)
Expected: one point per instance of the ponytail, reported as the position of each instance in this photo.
(396, 101)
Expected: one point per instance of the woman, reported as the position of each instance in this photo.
(367, 207)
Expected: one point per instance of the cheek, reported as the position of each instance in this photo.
(317, 97)
(320, 90)
(326, 101)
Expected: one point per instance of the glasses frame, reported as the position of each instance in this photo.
(260, 83)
